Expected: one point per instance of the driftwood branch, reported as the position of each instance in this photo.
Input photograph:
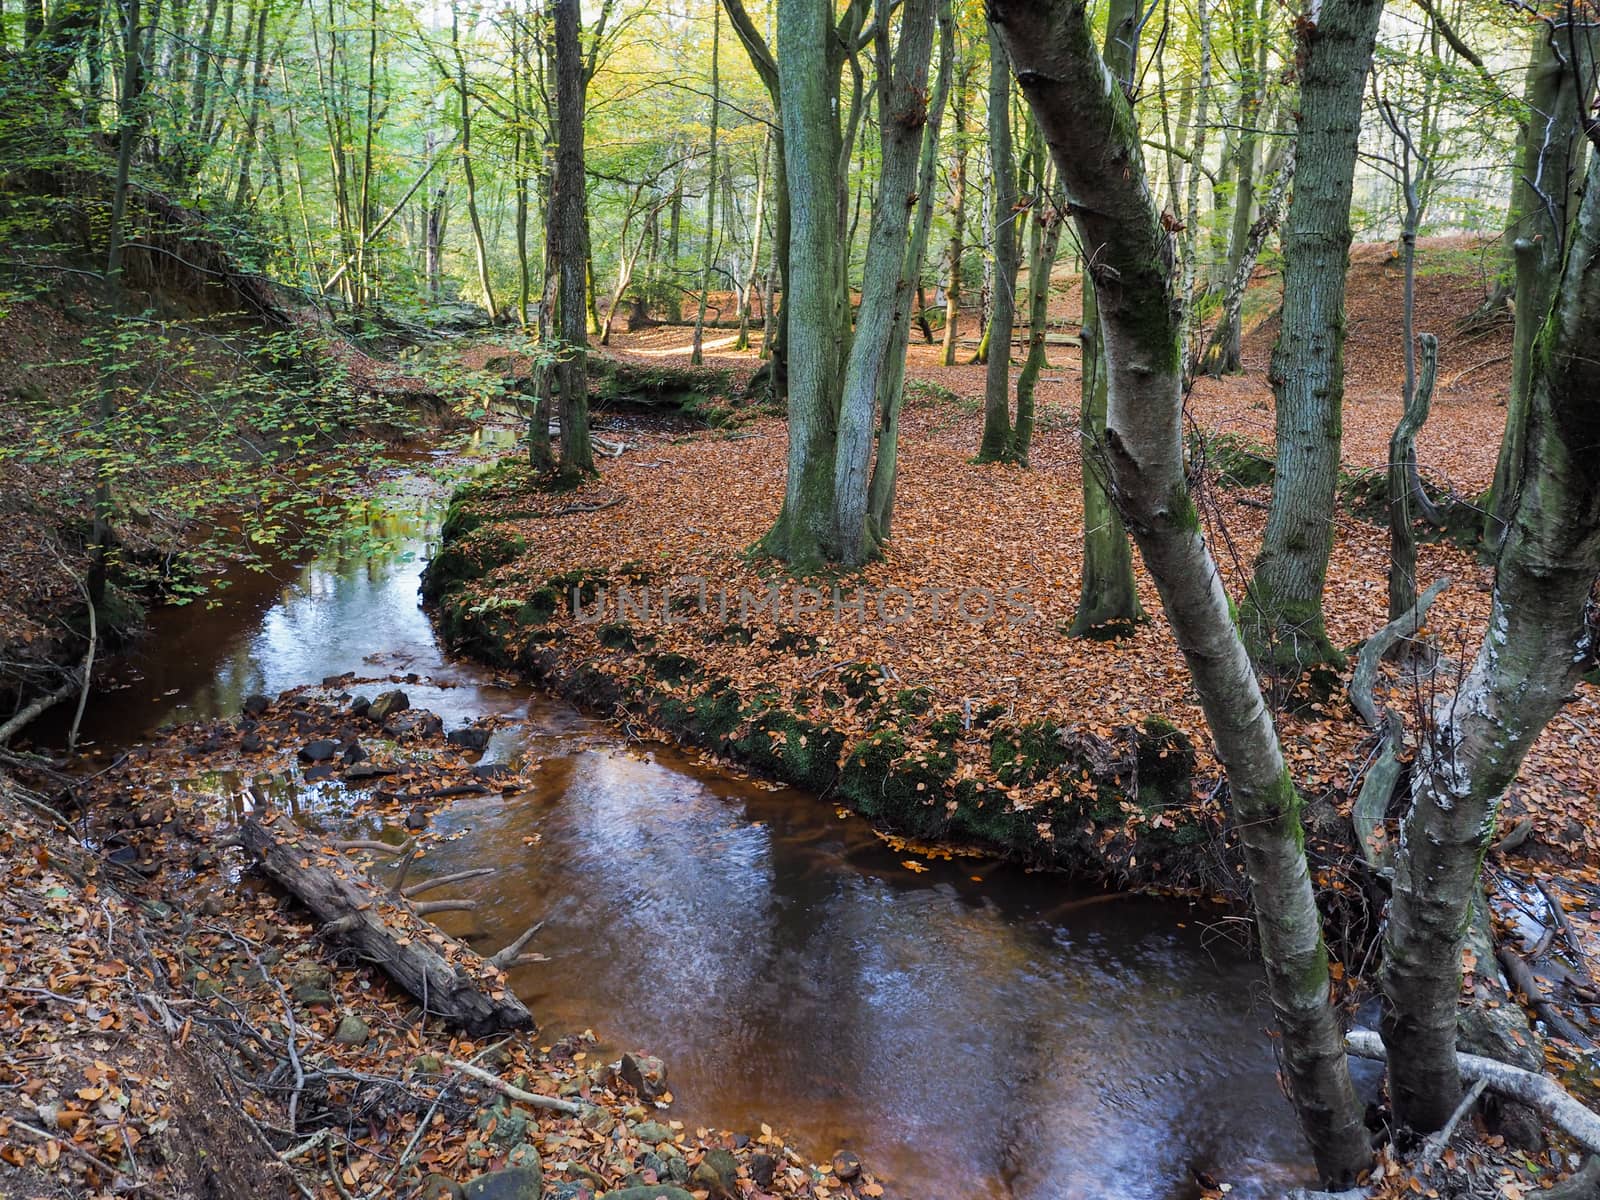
(427, 885)
(1539, 1092)
(1523, 979)
(508, 957)
(448, 978)
(553, 1103)
(26, 716)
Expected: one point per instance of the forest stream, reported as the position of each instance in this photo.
(968, 1028)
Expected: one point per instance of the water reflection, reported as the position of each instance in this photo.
(782, 961)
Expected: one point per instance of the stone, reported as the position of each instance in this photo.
(718, 1173)
(417, 819)
(333, 681)
(470, 738)
(598, 1120)
(351, 1031)
(252, 742)
(316, 772)
(649, 1191)
(846, 1166)
(644, 1073)
(313, 996)
(762, 1169)
(254, 706)
(514, 1183)
(653, 1132)
(437, 1187)
(353, 753)
(387, 704)
(427, 1064)
(321, 750)
(359, 706)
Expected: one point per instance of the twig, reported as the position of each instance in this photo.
(416, 889)
(424, 907)
(508, 956)
(554, 1103)
(368, 844)
(1438, 1140)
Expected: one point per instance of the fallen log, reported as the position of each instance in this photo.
(450, 980)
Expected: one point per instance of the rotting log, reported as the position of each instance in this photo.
(449, 979)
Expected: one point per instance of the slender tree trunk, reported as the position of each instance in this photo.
(1192, 240)
(1224, 346)
(1094, 137)
(1044, 237)
(996, 445)
(1532, 655)
(1283, 614)
(696, 355)
(758, 221)
(958, 221)
(468, 174)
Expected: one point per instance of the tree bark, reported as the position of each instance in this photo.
(1283, 614)
(696, 354)
(1543, 198)
(1531, 657)
(1094, 137)
(569, 240)
(996, 445)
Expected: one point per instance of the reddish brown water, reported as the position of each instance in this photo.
(971, 1030)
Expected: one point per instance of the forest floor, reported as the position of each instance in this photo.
(989, 556)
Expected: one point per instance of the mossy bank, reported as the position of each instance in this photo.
(1115, 803)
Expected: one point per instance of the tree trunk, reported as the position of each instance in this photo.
(1543, 198)
(1224, 347)
(1537, 643)
(885, 468)
(958, 221)
(1048, 211)
(464, 99)
(996, 445)
(569, 241)
(883, 319)
(811, 304)
(1283, 614)
(1094, 137)
(696, 355)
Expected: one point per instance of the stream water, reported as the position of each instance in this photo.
(971, 1030)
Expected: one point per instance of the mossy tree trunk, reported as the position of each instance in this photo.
(808, 92)
(1543, 198)
(888, 287)
(1531, 657)
(569, 238)
(996, 445)
(886, 466)
(1283, 612)
(1094, 138)
(1108, 595)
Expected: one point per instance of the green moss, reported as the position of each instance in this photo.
(672, 667)
(471, 556)
(1024, 754)
(1237, 461)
